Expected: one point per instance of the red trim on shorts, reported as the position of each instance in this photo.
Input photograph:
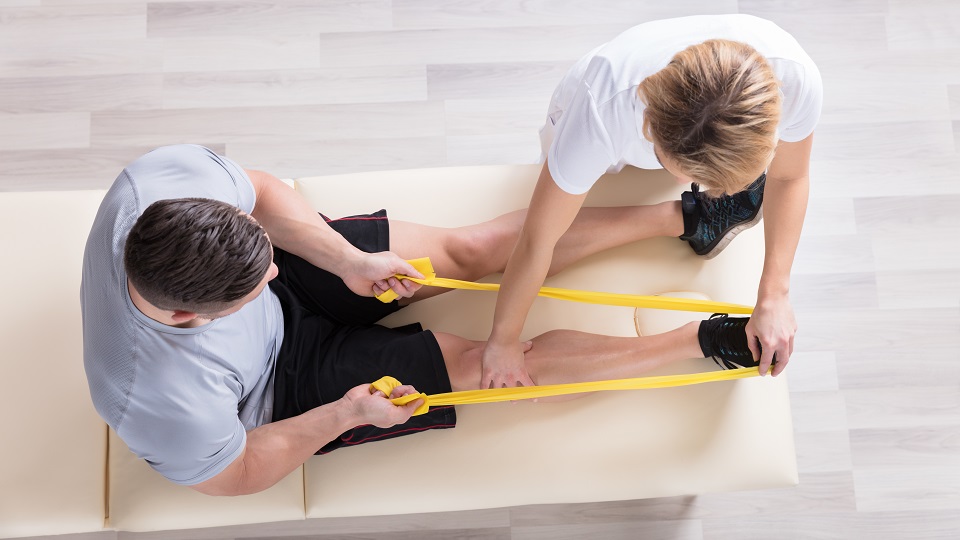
(347, 441)
(392, 433)
(360, 218)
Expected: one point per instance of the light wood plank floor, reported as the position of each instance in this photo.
(329, 86)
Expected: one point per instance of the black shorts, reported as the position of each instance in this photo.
(331, 344)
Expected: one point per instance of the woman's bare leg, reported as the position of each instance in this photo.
(474, 251)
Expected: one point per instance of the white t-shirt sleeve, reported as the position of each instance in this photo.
(582, 150)
(803, 102)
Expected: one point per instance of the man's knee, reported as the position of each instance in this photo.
(462, 359)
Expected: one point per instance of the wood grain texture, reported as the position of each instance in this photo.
(496, 13)
(814, 372)
(210, 90)
(45, 130)
(290, 17)
(209, 54)
(909, 363)
(494, 80)
(840, 290)
(823, 451)
(301, 87)
(463, 45)
(81, 94)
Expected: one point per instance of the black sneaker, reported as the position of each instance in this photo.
(724, 339)
(709, 224)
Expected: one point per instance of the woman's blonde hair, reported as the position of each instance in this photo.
(714, 110)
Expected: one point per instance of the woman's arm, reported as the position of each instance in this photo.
(784, 206)
(551, 212)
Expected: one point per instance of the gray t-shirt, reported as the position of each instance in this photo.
(181, 398)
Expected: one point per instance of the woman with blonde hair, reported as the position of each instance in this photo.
(727, 103)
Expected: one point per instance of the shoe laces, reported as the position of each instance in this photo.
(729, 342)
(714, 209)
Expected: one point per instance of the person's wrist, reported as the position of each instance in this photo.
(773, 291)
(501, 340)
(349, 261)
(346, 414)
(771, 302)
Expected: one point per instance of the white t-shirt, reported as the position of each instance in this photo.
(596, 115)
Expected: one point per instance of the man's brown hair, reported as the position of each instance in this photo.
(197, 255)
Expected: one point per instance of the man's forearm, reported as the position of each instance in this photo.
(297, 228)
(274, 450)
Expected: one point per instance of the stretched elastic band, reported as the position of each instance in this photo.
(425, 267)
(387, 384)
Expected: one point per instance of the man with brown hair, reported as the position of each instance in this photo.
(229, 329)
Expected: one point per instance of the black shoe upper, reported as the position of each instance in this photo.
(724, 339)
(707, 220)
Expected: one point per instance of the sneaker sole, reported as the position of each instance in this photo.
(731, 234)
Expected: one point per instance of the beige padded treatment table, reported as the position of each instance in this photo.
(63, 472)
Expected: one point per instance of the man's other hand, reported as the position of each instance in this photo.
(374, 273)
(376, 409)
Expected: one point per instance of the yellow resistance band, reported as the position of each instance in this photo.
(387, 384)
(425, 267)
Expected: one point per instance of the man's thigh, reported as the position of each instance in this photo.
(324, 293)
(320, 361)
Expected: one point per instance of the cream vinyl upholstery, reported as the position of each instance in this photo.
(54, 444)
(58, 476)
(142, 500)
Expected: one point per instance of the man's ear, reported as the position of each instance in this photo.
(180, 317)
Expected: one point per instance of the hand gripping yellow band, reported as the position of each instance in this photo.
(425, 267)
(387, 384)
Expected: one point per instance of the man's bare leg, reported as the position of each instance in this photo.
(566, 356)
(474, 251)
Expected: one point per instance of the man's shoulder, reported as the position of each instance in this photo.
(145, 376)
(185, 433)
(189, 170)
(174, 156)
